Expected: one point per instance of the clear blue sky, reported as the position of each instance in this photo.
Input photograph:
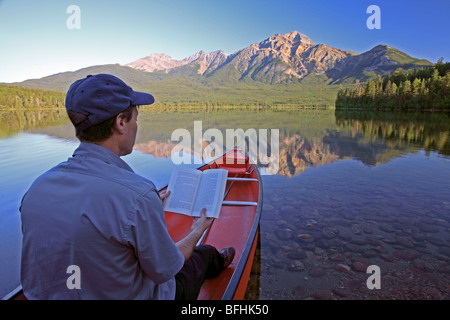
(36, 42)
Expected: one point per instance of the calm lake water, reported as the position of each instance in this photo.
(354, 189)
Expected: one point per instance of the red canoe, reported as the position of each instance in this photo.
(236, 226)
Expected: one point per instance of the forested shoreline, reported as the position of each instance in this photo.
(14, 97)
(413, 89)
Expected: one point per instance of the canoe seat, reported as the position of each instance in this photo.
(232, 170)
(239, 203)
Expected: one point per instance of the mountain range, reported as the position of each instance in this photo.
(282, 69)
(283, 58)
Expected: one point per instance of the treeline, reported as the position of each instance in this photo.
(222, 106)
(418, 89)
(23, 97)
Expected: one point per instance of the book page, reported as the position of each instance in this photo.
(210, 192)
(183, 187)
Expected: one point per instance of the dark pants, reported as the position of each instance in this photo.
(205, 262)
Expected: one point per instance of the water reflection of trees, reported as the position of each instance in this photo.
(405, 131)
(13, 122)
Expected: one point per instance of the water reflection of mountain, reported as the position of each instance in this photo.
(372, 138)
(355, 146)
(297, 155)
(307, 138)
(160, 149)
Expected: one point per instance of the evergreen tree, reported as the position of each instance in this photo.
(388, 89)
(398, 76)
(416, 85)
(425, 88)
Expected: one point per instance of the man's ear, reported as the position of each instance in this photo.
(120, 123)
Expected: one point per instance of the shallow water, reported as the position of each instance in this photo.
(352, 190)
(321, 230)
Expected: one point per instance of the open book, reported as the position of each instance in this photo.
(191, 190)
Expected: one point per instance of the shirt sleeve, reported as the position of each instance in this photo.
(158, 255)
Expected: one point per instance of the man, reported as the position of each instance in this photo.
(92, 228)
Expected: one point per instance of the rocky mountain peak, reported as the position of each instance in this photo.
(285, 57)
(379, 48)
(163, 62)
(290, 44)
(206, 61)
(154, 62)
(296, 37)
(280, 58)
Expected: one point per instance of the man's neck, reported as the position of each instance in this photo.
(110, 144)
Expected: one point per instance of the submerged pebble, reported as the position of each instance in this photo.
(296, 265)
(330, 232)
(304, 236)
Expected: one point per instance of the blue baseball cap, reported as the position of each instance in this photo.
(101, 97)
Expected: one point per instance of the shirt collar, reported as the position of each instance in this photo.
(93, 150)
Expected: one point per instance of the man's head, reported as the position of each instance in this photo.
(102, 105)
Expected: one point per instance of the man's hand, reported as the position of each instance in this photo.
(188, 243)
(201, 223)
(164, 194)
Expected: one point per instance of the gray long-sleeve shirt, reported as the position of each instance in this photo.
(95, 213)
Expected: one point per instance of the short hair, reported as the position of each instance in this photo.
(99, 132)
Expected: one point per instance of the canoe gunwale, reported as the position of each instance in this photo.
(15, 294)
(238, 271)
